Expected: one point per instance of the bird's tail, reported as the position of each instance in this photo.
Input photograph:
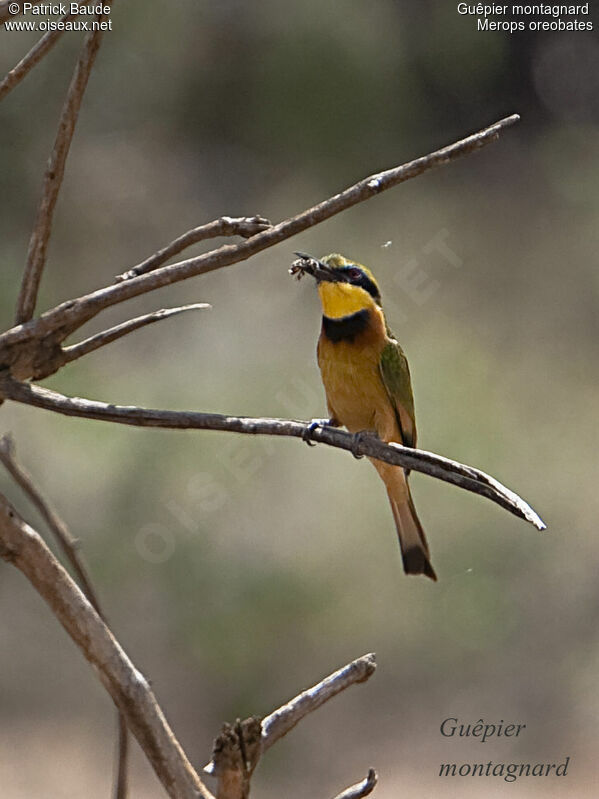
(412, 541)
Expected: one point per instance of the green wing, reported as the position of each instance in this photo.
(396, 378)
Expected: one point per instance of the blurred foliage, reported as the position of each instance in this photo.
(238, 571)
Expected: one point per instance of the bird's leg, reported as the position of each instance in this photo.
(307, 434)
(358, 439)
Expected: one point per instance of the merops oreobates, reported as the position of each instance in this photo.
(367, 382)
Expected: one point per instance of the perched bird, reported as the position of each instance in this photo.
(367, 382)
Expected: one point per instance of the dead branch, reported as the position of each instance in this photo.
(418, 460)
(23, 547)
(360, 789)
(245, 226)
(281, 721)
(239, 747)
(98, 340)
(30, 349)
(69, 546)
(34, 56)
(56, 525)
(235, 755)
(28, 62)
(38, 244)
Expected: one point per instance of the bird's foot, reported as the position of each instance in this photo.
(307, 434)
(358, 439)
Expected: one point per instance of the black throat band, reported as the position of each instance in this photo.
(346, 328)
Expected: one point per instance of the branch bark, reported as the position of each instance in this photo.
(236, 752)
(38, 244)
(68, 544)
(22, 546)
(246, 226)
(283, 720)
(92, 343)
(27, 347)
(360, 789)
(28, 62)
(56, 525)
(429, 463)
(239, 747)
(34, 56)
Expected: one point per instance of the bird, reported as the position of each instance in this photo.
(367, 383)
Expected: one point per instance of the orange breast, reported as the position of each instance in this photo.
(356, 396)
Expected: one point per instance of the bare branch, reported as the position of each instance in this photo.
(281, 721)
(27, 63)
(418, 460)
(34, 56)
(58, 528)
(238, 748)
(55, 325)
(118, 331)
(22, 546)
(246, 226)
(68, 544)
(38, 244)
(235, 755)
(360, 789)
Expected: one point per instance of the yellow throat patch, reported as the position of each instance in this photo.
(343, 299)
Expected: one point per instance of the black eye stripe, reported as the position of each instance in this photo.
(362, 280)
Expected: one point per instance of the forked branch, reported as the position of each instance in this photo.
(239, 747)
(28, 344)
(56, 525)
(68, 545)
(245, 226)
(284, 719)
(22, 546)
(38, 244)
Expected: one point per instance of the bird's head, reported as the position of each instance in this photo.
(344, 286)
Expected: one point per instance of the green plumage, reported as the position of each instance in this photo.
(367, 383)
(396, 378)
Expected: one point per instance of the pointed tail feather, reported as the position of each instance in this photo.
(412, 541)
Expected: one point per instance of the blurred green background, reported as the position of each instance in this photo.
(237, 571)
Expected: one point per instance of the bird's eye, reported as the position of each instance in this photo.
(354, 273)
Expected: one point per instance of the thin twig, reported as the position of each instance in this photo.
(360, 789)
(246, 226)
(38, 244)
(118, 331)
(56, 525)
(281, 721)
(34, 56)
(225, 763)
(67, 317)
(26, 64)
(69, 547)
(429, 463)
(23, 547)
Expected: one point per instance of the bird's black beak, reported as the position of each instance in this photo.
(306, 264)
